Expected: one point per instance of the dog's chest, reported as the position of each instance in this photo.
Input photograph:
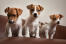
(32, 22)
(52, 27)
(14, 26)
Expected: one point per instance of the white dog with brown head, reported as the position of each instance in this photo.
(14, 20)
(50, 28)
(32, 22)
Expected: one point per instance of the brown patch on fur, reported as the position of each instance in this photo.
(40, 7)
(9, 10)
(56, 16)
(61, 16)
(31, 7)
(13, 13)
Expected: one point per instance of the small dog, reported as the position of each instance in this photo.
(32, 22)
(50, 28)
(14, 21)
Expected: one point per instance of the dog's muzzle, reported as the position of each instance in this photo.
(10, 21)
(35, 14)
(58, 22)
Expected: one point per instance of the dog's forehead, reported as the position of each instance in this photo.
(12, 11)
(57, 16)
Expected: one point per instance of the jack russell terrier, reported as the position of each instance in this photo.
(14, 21)
(32, 22)
(50, 28)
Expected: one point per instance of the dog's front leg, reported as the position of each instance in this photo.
(9, 32)
(37, 32)
(46, 34)
(53, 33)
(27, 32)
(20, 32)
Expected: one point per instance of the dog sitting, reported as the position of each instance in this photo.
(50, 28)
(14, 21)
(32, 22)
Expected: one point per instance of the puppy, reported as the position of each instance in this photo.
(32, 22)
(14, 21)
(50, 28)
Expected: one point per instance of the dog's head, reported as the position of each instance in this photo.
(13, 14)
(56, 18)
(35, 9)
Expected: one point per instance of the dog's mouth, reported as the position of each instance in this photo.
(11, 22)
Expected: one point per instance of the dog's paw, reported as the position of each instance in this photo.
(37, 36)
(20, 35)
(47, 38)
(27, 36)
(51, 38)
(9, 35)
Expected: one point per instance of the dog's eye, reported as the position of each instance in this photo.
(14, 15)
(54, 18)
(8, 15)
(32, 9)
(38, 10)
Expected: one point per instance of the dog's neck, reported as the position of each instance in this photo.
(53, 24)
(31, 19)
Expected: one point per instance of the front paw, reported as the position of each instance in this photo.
(20, 35)
(51, 38)
(27, 36)
(47, 37)
(9, 35)
(37, 36)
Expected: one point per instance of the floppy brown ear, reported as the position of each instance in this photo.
(7, 9)
(29, 6)
(61, 16)
(41, 8)
(52, 16)
(19, 11)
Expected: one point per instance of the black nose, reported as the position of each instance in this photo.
(35, 14)
(58, 22)
(11, 22)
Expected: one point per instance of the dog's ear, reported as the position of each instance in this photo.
(61, 16)
(52, 16)
(7, 9)
(29, 6)
(41, 8)
(19, 11)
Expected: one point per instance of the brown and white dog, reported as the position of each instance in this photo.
(50, 28)
(32, 22)
(14, 21)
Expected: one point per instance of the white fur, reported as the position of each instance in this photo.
(29, 22)
(35, 11)
(49, 29)
(19, 23)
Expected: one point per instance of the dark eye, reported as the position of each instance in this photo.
(14, 15)
(8, 15)
(54, 18)
(32, 9)
(38, 10)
